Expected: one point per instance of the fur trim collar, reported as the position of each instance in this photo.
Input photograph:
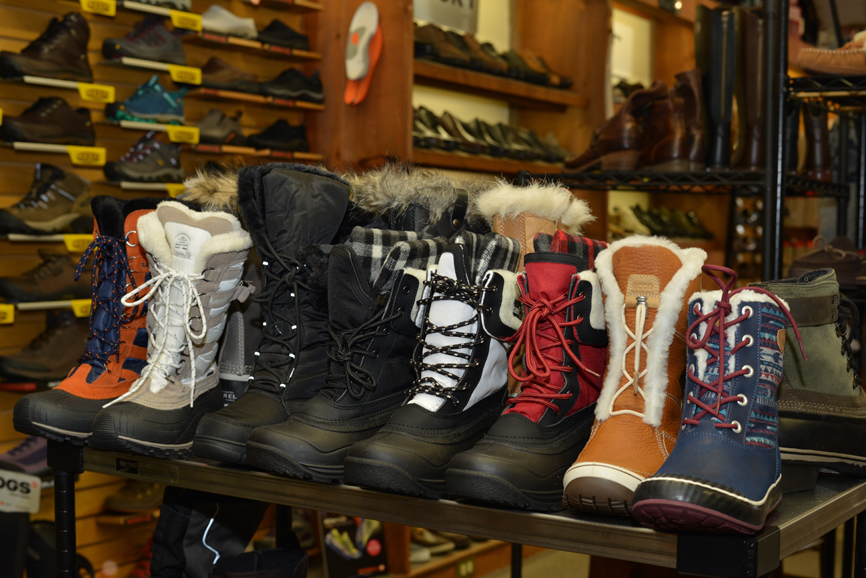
(546, 200)
(596, 311)
(655, 382)
(214, 189)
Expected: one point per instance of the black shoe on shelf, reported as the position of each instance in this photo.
(292, 84)
(150, 40)
(149, 161)
(51, 121)
(281, 136)
(280, 34)
(59, 52)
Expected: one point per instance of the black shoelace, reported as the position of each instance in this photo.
(278, 329)
(347, 350)
(446, 289)
(848, 313)
(48, 39)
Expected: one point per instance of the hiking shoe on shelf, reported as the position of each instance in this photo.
(52, 354)
(281, 136)
(59, 52)
(149, 161)
(150, 40)
(51, 280)
(218, 19)
(58, 202)
(151, 102)
(219, 129)
(280, 34)
(50, 121)
(28, 457)
(219, 74)
(292, 84)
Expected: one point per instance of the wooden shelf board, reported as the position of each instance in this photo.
(213, 39)
(205, 93)
(492, 86)
(251, 152)
(300, 5)
(479, 163)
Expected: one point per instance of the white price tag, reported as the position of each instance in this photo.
(19, 492)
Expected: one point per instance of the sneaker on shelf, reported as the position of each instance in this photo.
(220, 75)
(281, 136)
(151, 102)
(58, 202)
(342, 544)
(150, 40)
(219, 129)
(51, 280)
(184, 5)
(302, 526)
(418, 554)
(135, 496)
(280, 34)
(461, 541)
(51, 121)
(436, 543)
(59, 52)
(365, 531)
(149, 161)
(218, 19)
(292, 84)
(52, 353)
(28, 457)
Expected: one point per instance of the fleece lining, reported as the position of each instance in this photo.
(546, 200)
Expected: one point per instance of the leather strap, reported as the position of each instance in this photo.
(813, 311)
(458, 211)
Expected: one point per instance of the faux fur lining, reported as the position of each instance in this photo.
(655, 382)
(214, 190)
(510, 296)
(596, 311)
(546, 200)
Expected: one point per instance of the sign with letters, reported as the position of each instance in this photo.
(19, 492)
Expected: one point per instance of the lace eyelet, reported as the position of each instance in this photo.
(406, 289)
(400, 311)
(743, 401)
(751, 370)
(750, 339)
(694, 337)
(696, 310)
(683, 428)
(739, 427)
(126, 238)
(751, 311)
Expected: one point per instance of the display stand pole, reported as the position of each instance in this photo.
(860, 197)
(283, 525)
(773, 142)
(67, 461)
(516, 560)
(848, 548)
(860, 546)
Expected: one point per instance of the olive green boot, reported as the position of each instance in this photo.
(822, 407)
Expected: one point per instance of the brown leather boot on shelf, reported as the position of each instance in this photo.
(616, 144)
(432, 42)
(490, 64)
(749, 150)
(665, 142)
(690, 89)
(817, 144)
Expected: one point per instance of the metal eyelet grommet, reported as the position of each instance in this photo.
(751, 311)
(750, 339)
(743, 401)
(406, 289)
(696, 310)
(739, 427)
(126, 238)
(751, 370)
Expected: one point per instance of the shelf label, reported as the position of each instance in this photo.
(77, 243)
(80, 307)
(184, 134)
(1, 116)
(465, 568)
(175, 189)
(92, 156)
(7, 313)
(96, 92)
(184, 74)
(103, 7)
(186, 20)
(19, 492)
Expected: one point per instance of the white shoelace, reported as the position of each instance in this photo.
(638, 338)
(169, 315)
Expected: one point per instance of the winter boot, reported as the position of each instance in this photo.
(646, 281)
(196, 262)
(521, 460)
(736, 341)
(822, 406)
(285, 207)
(374, 283)
(117, 347)
(749, 152)
(461, 382)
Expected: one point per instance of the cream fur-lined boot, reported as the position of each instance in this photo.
(645, 283)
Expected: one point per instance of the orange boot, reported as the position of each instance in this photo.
(646, 282)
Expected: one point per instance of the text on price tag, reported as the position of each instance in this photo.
(80, 307)
(103, 7)
(77, 243)
(7, 313)
(184, 74)
(96, 92)
(184, 134)
(185, 20)
(92, 156)
(19, 492)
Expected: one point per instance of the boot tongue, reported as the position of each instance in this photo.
(186, 236)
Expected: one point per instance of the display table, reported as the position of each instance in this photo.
(799, 520)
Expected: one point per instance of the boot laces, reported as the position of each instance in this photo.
(848, 313)
(278, 329)
(541, 358)
(718, 325)
(639, 346)
(110, 265)
(347, 348)
(173, 318)
(48, 39)
(446, 289)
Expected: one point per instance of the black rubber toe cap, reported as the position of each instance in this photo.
(56, 414)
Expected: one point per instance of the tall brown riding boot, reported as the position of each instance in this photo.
(817, 144)
(749, 151)
(690, 89)
(665, 143)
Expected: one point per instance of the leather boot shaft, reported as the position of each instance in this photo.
(749, 151)
(718, 80)
(665, 142)
(690, 88)
(817, 161)
(791, 134)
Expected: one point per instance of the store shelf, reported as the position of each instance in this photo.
(213, 39)
(217, 94)
(251, 152)
(800, 519)
(87, 91)
(847, 92)
(170, 188)
(299, 5)
(187, 75)
(46, 305)
(78, 155)
(514, 91)
(181, 20)
(478, 163)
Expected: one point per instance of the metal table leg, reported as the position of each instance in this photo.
(66, 460)
(516, 560)
(860, 546)
(848, 549)
(283, 525)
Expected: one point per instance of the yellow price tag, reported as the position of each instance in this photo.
(184, 134)
(103, 7)
(80, 307)
(184, 74)
(93, 156)
(77, 243)
(175, 189)
(186, 20)
(96, 92)
(1, 116)
(7, 313)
